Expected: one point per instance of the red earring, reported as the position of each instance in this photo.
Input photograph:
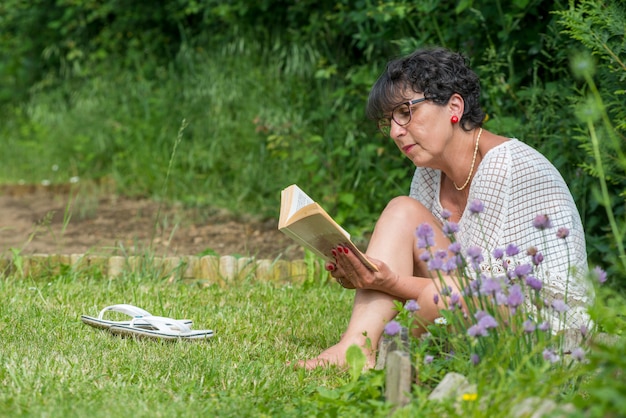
(454, 119)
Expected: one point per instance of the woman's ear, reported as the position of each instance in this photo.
(456, 106)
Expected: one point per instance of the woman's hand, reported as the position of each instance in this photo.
(351, 273)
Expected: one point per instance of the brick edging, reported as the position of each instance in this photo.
(211, 268)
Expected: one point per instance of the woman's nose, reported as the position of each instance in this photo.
(396, 130)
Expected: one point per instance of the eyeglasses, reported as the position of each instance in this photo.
(401, 115)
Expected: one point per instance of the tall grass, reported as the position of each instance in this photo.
(120, 125)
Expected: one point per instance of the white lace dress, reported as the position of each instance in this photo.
(516, 183)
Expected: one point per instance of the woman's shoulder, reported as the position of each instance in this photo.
(515, 165)
(525, 170)
(527, 161)
(515, 153)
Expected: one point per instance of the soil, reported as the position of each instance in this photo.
(63, 220)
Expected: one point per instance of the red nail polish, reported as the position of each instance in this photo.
(334, 253)
(346, 250)
(330, 267)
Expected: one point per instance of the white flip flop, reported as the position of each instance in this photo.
(162, 329)
(130, 310)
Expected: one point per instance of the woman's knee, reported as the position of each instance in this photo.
(407, 208)
(430, 301)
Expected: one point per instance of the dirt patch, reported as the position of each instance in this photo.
(63, 220)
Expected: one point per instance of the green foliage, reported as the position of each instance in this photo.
(361, 396)
(606, 362)
(600, 106)
(274, 93)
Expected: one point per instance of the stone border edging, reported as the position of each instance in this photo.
(211, 268)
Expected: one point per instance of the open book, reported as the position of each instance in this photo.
(302, 219)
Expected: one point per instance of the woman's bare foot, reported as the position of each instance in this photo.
(336, 356)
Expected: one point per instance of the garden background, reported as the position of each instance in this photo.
(212, 107)
(241, 98)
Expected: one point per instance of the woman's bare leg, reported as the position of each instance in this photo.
(393, 242)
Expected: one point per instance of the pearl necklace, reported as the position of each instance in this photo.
(469, 176)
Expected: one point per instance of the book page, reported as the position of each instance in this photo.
(298, 201)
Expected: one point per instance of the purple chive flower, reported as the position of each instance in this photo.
(425, 256)
(562, 232)
(487, 321)
(490, 285)
(475, 255)
(542, 222)
(455, 247)
(498, 253)
(446, 291)
(578, 354)
(559, 305)
(477, 331)
(584, 330)
(474, 252)
(435, 298)
(412, 305)
(550, 356)
(425, 236)
(522, 270)
(428, 359)
(475, 359)
(501, 298)
(529, 326)
(534, 283)
(516, 296)
(599, 274)
(537, 259)
(455, 299)
(544, 326)
(445, 214)
(476, 206)
(450, 265)
(480, 314)
(392, 328)
(450, 228)
(435, 263)
(441, 254)
(511, 250)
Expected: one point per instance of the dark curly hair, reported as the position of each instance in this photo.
(437, 73)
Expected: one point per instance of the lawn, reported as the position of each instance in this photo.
(54, 365)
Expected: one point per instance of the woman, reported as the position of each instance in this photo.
(428, 103)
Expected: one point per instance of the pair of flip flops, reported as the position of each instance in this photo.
(145, 325)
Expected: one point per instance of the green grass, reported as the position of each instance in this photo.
(54, 365)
